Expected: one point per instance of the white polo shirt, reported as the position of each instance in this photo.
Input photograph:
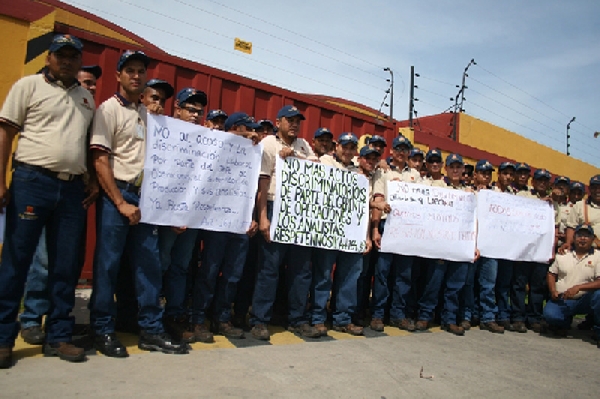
(572, 271)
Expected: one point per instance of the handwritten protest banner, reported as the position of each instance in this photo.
(430, 222)
(198, 177)
(514, 228)
(320, 206)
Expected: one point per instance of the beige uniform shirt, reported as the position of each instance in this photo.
(120, 129)
(429, 181)
(330, 160)
(53, 121)
(272, 145)
(577, 216)
(572, 271)
(530, 194)
(381, 178)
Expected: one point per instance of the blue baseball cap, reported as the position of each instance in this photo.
(454, 158)
(93, 69)
(595, 180)
(585, 227)
(434, 153)
(562, 179)
(401, 141)
(129, 55)
(377, 139)
(240, 119)
(60, 41)
(542, 174)
(523, 166)
(321, 131)
(216, 113)
(346, 138)
(161, 84)
(483, 165)
(266, 122)
(506, 165)
(416, 151)
(191, 95)
(289, 111)
(366, 150)
(577, 186)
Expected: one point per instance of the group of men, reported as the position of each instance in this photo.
(71, 155)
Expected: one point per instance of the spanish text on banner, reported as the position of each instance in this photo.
(430, 222)
(320, 206)
(514, 228)
(198, 177)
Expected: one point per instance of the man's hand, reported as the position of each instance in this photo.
(155, 109)
(384, 207)
(253, 229)
(255, 137)
(563, 248)
(131, 212)
(287, 152)
(376, 237)
(265, 229)
(384, 165)
(92, 190)
(554, 295)
(178, 230)
(368, 247)
(571, 292)
(477, 255)
(4, 197)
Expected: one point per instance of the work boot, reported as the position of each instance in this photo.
(421, 325)
(228, 330)
(322, 329)
(6, 360)
(454, 329)
(351, 329)
(404, 324)
(178, 328)
(519, 326)
(306, 330)
(161, 342)
(492, 326)
(377, 325)
(260, 331)
(65, 351)
(506, 325)
(201, 334)
(33, 335)
(109, 345)
(466, 325)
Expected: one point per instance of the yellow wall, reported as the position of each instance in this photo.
(11, 67)
(487, 137)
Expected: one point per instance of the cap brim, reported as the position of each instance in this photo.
(166, 87)
(197, 98)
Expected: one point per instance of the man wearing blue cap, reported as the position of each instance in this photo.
(265, 128)
(47, 190)
(322, 141)
(215, 119)
(377, 142)
(118, 146)
(416, 159)
(434, 162)
(400, 264)
(189, 105)
(271, 254)
(522, 175)
(348, 264)
(157, 92)
(576, 192)
(560, 195)
(574, 284)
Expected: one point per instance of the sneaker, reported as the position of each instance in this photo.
(65, 351)
(466, 325)
(202, 334)
(178, 328)
(454, 329)
(228, 330)
(33, 335)
(351, 329)
(322, 329)
(306, 330)
(492, 326)
(6, 360)
(404, 324)
(162, 343)
(377, 325)
(260, 331)
(421, 325)
(519, 326)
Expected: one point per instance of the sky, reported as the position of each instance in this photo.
(537, 61)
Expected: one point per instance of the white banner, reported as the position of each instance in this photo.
(320, 206)
(198, 177)
(514, 228)
(430, 222)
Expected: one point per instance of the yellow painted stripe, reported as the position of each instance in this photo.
(280, 336)
(339, 336)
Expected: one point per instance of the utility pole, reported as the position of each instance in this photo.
(391, 92)
(461, 94)
(411, 102)
(568, 135)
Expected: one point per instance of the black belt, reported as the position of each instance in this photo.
(132, 188)
(57, 175)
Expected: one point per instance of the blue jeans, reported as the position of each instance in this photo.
(36, 302)
(503, 287)
(223, 253)
(480, 303)
(363, 287)
(402, 267)
(114, 236)
(533, 274)
(298, 279)
(347, 271)
(175, 254)
(38, 201)
(560, 313)
(245, 289)
(449, 275)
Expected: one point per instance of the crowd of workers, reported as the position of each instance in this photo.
(177, 285)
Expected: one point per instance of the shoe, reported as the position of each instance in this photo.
(228, 330)
(466, 325)
(109, 345)
(506, 325)
(161, 342)
(260, 331)
(65, 351)
(475, 321)
(519, 326)
(201, 334)
(33, 335)
(404, 324)
(240, 322)
(306, 330)
(178, 328)
(536, 327)
(421, 325)
(322, 329)
(351, 329)
(6, 360)
(454, 329)
(377, 325)
(492, 326)
(561, 332)
(587, 324)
